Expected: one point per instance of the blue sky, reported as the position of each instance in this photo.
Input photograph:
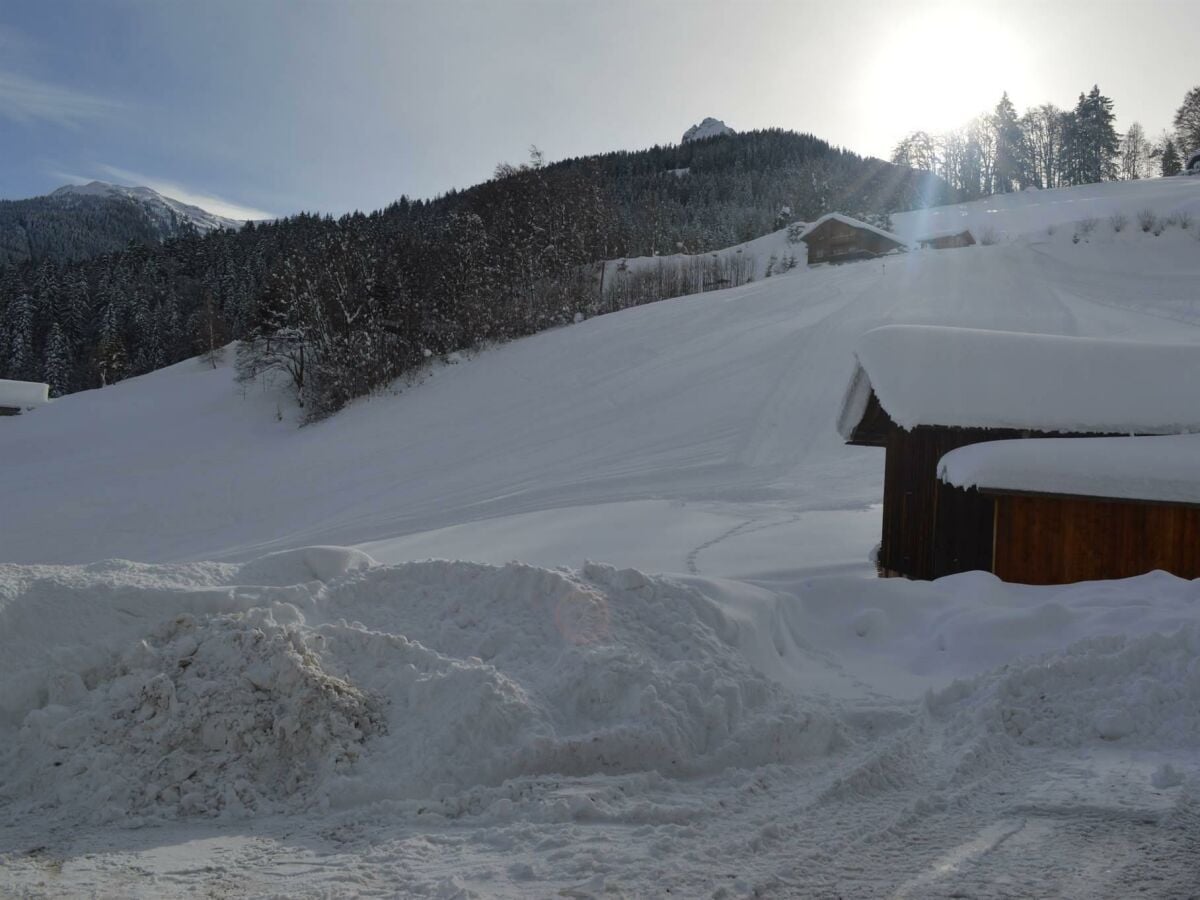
(257, 107)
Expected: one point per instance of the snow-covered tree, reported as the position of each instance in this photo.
(58, 365)
(1187, 121)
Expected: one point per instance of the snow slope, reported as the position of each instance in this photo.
(770, 720)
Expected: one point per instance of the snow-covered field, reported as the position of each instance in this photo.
(725, 703)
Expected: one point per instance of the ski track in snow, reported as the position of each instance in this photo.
(774, 722)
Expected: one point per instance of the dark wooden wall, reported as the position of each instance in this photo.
(838, 242)
(931, 529)
(1057, 540)
(949, 241)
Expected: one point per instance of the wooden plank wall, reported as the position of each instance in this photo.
(911, 511)
(1053, 540)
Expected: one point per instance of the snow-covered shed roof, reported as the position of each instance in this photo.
(1163, 469)
(854, 223)
(948, 233)
(971, 378)
(23, 394)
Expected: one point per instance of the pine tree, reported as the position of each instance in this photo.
(58, 365)
(1098, 144)
(1171, 163)
(1187, 121)
(1010, 155)
(19, 328)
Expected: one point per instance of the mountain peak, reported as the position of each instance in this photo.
(710, 127)
(167, 212)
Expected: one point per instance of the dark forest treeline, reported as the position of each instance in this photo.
(342, 306)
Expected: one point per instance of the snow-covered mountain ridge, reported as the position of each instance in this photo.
(166, 212)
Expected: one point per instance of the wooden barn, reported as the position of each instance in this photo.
(947, 241)
(835, 238)
(19, 396)
(1066, 511)
(923, 391)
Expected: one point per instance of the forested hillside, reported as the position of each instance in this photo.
(80, 221)
(340, 307)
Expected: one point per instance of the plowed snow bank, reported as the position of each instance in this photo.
(397, 682)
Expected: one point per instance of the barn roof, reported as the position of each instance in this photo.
(1163, 469)
(949, 233)
(23, 394)
(969, 378)
(854, 223)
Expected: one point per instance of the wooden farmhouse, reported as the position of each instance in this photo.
(923, 391)
(835, 238)
(18, 396)
(947, 241)
(1068, 510)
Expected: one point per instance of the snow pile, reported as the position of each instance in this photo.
(1143, 692)
(710, 127)
(403, 683)
(549, 672)
(222, 714)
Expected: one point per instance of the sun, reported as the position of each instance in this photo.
(941, 68)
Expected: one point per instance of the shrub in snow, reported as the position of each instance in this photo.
(1118, 221)
(988, 236)
(1184, 218)
(1088, 225)
(1147, 219)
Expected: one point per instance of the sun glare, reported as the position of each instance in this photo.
(943, 69)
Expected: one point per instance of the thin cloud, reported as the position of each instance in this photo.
(24, 99)
(215, 205)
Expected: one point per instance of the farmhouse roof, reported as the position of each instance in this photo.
(951, 232)
(970, 378)
(1163, 469)
(854, 223)
(23, 394)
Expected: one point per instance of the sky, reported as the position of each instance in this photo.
(257, 108)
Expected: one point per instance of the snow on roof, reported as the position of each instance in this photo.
(970, 378)
(855, 223)
(23, 394)
(1164, 469)
(950, 232)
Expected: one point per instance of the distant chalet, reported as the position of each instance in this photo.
(922, 392)
(947, 241)
(18, 396)
(835, 238)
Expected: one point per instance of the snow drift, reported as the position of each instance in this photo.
(406, 682)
